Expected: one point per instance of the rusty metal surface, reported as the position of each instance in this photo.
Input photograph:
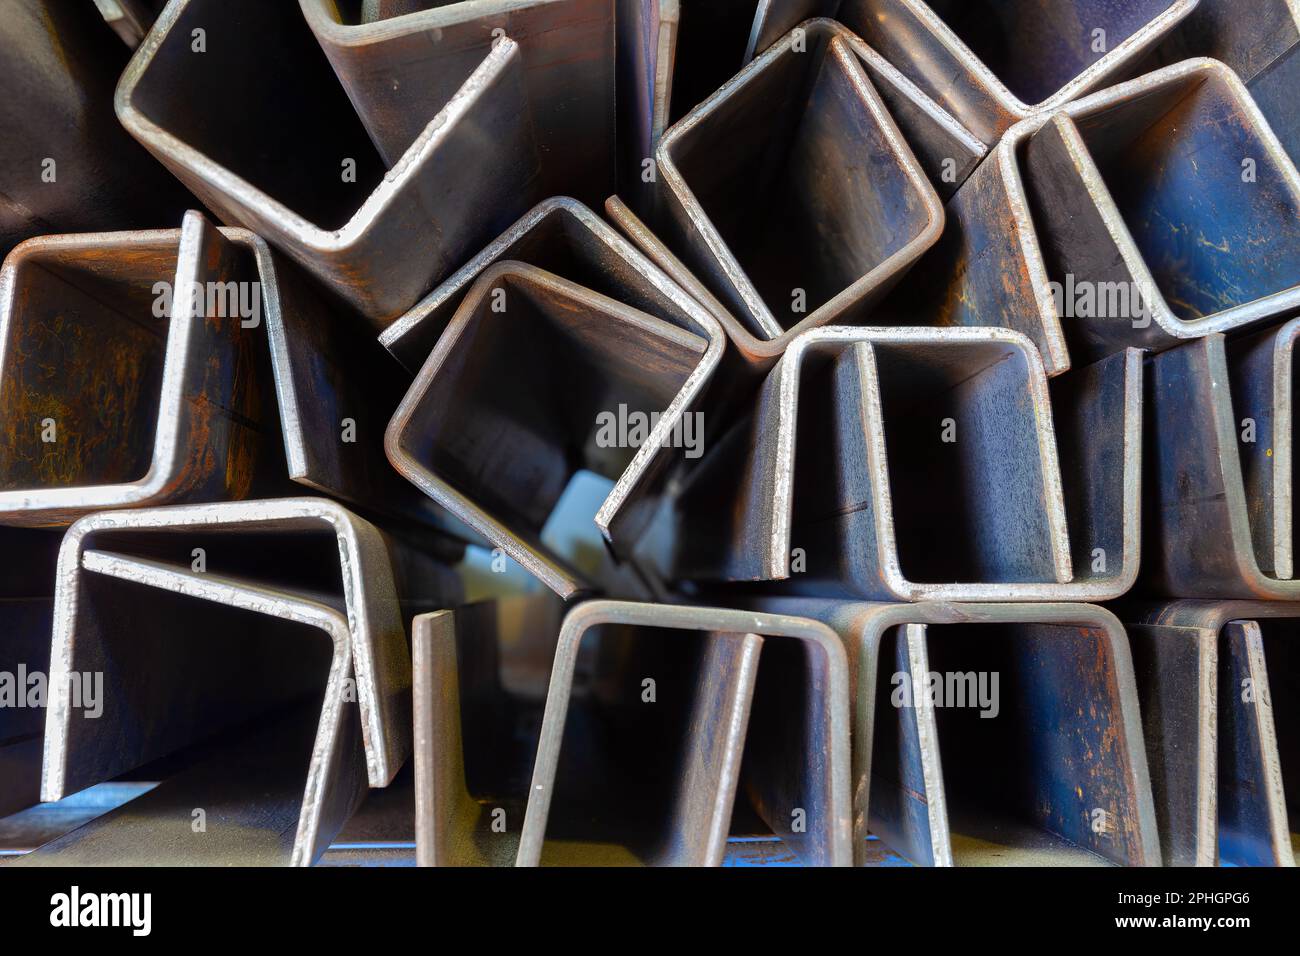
(504, 479)
(992, 64)
(1216, 680)
(290, 572)
(145, 409)
(153, 401)
(193, 110)
(795, 759)
(814, 208)
(943, 785)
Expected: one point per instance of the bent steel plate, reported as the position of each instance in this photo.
(334, 781)
(158, 400)
(480, 678)
(1219, 440)
(1217, 682)
(945, 785)
(756, 217)
(503, 480)
(947, 149)
(797, 775)
(164, 408)
(991, 490)
(1106, 225)
(210, 687)
(378, 236)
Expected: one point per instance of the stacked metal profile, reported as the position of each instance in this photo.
(920, 375)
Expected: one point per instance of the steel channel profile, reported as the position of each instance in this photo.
(947, 150)
(195, 406)
(993, 65)
(188, 108)
(395, 58)
(294, 571)
(480, 678)
(60, 63)
(943, 785)
(1262, 369)
(736, 707)
(503, 481)
(1220, 515)
(1056, 202)
(1259, 42)
(1217, 683)
(1144, 185)
(136, 421)
(562, 236)
(793, 122)
(850, 409)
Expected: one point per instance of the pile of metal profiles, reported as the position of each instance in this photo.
(1217, 681)
(828, 432)
(122, 386)
(378, 229)
(1107, 224)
